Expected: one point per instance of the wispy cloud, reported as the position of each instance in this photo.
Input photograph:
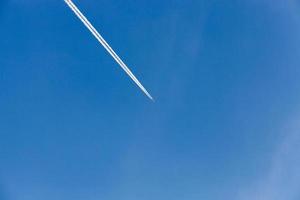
(281, 181)
(106, 45)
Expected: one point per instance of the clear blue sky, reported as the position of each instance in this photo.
(225, 124)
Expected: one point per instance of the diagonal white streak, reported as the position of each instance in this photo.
(105, 45)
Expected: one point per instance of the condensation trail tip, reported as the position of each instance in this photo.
(102, 41)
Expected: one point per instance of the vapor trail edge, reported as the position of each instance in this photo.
(85, 21)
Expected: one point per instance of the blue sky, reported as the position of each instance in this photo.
(225, 124)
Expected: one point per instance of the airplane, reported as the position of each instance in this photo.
(102, 41)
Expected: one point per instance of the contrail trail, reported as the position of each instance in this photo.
(105, 45)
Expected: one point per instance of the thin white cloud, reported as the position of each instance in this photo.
(282, 180)
(106, 45)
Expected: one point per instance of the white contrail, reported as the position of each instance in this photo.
(105, 45)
